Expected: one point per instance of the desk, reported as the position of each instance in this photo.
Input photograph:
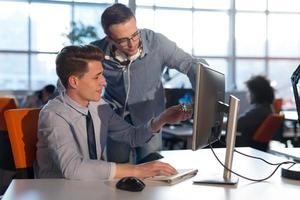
(179, 133)
(292, 116)
(183, 133)
(276, 188)
(293, 153)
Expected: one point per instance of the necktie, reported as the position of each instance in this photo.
(91, 137)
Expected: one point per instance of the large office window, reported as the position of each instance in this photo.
(33, 32)
(240, 38)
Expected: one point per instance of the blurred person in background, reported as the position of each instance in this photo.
(39, 98)
(261, 96)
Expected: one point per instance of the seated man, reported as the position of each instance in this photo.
(72, 136)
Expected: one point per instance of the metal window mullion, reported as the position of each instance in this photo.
(267, 70)
(29, 50)
(267, 41)
(132, 5)
(232, 47)
(193, 35)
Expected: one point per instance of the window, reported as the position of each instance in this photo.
(245, 68)
(284, 35)
(211, 34)
(14, 71)
(45, 29)
(254, 37)
(34, 33)
(14, 20)
(250, 34)
(179, 26)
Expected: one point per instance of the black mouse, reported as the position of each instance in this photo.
(130, 183)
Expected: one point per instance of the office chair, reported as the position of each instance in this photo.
(5, 104)
(22, 126)
(6, 157)
(7, 166)
(265, 132)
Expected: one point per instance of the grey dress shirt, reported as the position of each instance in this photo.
(141, 81)
(62, 149)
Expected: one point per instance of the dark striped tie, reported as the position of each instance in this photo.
(91, 137)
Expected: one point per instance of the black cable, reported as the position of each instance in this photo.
(258, 158)
(250, 179)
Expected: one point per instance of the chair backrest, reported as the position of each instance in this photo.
(22, 126)
(277, 105)
(5, 104)
(268, 128)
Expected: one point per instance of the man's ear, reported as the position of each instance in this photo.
(73, 81)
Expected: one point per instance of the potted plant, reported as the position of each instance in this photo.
(81, 33)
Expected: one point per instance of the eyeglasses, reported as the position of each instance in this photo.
(125, 41)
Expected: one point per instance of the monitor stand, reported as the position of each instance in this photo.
(227, 179)
(217, 180)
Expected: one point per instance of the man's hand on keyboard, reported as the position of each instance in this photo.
(154, 168)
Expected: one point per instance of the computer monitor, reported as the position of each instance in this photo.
(209, 110)
(295, 79)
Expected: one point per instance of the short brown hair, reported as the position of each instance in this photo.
(115, 14)
(72, 60)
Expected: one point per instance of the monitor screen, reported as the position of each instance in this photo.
(208, 118)
(175, 96)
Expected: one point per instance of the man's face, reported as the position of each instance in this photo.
(90, 85)
(125, 36)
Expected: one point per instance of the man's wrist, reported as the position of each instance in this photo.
(156, 124)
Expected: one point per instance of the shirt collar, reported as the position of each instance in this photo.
(76, 106)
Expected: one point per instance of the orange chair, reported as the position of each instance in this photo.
(5, 104)
(268, 128)
(22, 126)
(277, 105)
(6, 157)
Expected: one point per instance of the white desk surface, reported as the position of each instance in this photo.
(274, 188)
(293, 153)
(290, 115)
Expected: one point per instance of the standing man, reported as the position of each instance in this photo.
(133, 65)
(73, 127)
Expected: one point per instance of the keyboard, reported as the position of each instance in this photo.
(182, 174)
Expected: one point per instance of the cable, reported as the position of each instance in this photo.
(258, 158)
(247, 178)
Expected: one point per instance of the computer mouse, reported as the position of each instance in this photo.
(130, 183)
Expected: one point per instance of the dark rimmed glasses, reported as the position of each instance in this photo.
(125, 41)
